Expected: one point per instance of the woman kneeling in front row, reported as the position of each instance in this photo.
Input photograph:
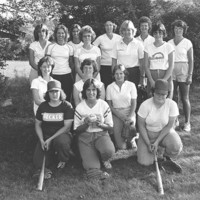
(92, 121)
(156, 117)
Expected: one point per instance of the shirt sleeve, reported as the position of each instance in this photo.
(170, 48)
(69, 111)
(71, 51)
(140, 50)
(39, 112)
(133, 91)
(77, 52)
(97, 42)
(114, 51)
(143, 110)
(108, 93)
(189, 44)
(173, 112)
(98, 51)
(49, 49)
(32, 46)
(34, 84)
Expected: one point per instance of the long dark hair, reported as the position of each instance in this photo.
(37, 29)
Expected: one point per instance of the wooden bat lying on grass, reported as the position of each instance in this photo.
(41, 177)
(158, 176)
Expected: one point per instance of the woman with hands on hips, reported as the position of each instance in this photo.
(121, 96)
(183, 68)
(156, 117)
(92, 121)
(52, 125)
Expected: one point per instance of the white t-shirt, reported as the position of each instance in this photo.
(60, 54)
(41, 85)
(128, 55)
(181, 49)
(106, 45)
(157, 118)
(158, 56)
(101, 110)
(149, 40)
(39, 52)
(83, 53)
(121, 98)
(75, 46)
(79, 86)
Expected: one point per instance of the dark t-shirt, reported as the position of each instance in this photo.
(52, 118)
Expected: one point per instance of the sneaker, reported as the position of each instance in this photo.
(61, 165)
(104, 175)
(187, 127)
(168, 163)
(107, 164)
(176, 123)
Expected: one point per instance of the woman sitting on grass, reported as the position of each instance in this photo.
(52, 125)
(92, 121)
(156, 117)
(88, 67)
(39, 85)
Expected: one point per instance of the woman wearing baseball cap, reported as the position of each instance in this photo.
(156, 117)
(53, 121)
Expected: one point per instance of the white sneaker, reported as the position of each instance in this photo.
(61, 165)
(187, 127)
(107, 164)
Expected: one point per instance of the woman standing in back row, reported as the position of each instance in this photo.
(129, 52)
(37, 49)
(62, 54)
(106, 43)
(183, 68)
(87, 50)
(159, 59)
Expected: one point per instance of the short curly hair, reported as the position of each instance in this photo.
(65, 29)
(89, 61)
(179, 23)
(123, 69)
(87, 84)
(87, 29)
(38, 28)
(159, 27)
(145, 19)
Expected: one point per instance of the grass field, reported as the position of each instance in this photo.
(128, 181)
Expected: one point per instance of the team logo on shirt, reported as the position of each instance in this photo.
(158, 57)
(55, 117)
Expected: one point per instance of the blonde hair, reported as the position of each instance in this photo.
(126, 24)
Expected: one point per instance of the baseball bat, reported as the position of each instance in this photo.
(41, 177)
(158, 176)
